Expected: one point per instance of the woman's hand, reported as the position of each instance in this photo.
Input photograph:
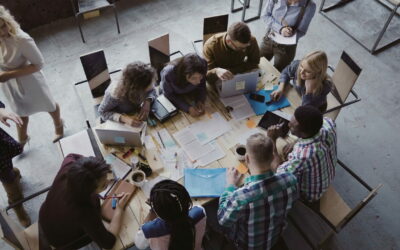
(5, 115)
(145, 111)
(123, 201)
(200, 106)
(4, 76)
(134, 122)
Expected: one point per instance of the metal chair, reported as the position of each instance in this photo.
(159, 53)
(393, 5)
(82, 7)
(243, 8)
(344, 77)
(334, 212)
(211, 26)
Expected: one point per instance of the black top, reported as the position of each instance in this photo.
(63, 221)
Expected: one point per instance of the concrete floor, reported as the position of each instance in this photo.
(367, 131)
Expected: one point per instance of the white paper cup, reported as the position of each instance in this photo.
(138, 178)
(240, 151)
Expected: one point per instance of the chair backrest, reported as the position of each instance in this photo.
(12, 233)
(213, 25)
(159, 52)
(75, 6)
(345, 76)
(95, 66)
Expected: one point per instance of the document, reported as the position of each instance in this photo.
(208, 130)
(240, 107)
(205, 182)
(191, 145)
(78, 143)
(278, 38)
(119, 167)
(214, 155)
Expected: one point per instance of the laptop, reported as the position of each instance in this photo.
(115, 133)
(240, 84)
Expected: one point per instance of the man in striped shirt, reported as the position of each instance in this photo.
(256, 212)
(314, 157)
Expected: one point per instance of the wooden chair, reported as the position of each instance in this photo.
(334, 212)
(97, 75)
(211, 26)
(393, 5)
(82, 7)
(159, 53)
(246, 3)
(344, 77)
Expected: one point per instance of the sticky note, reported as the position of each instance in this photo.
(240, 85)
(250, 123)
(241, 168)
(119, 139)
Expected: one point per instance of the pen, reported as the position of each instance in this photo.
(159, 136)
(114, 201)
(111, 197)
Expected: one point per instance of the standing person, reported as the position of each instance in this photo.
(21, 78)
(255, 213)
(232, 52)
(310, 79)
(9, 175)
(70, 217)
(132, 94)
(288, 18)
(185, 79)
(172, 222)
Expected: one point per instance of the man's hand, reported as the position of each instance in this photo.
(224, 74)
(144, 112)
(193, 111)
(232, 177)
(4, 76)
(276, 131)
(134, 122)
(287, 149)
(5, 115)
(287, 31)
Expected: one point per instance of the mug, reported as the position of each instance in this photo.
(138, 178)
(240, 151)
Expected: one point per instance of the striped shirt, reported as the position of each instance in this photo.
(313, 161)
(257, 211)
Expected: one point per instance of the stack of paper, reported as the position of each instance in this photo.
(240, 107)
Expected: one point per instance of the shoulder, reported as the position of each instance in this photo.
(197, 213)
(214, 40)
(23, 37)
(328, 124)
(112, 90)
(168, 72)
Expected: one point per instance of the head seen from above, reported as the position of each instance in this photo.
(171, 202)
(238, 36)
(313, 66)
(8, 25)
(306, 122)
(259, 153)
(190, 68)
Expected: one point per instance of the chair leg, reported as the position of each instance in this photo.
(245, 3)
(384, 29)
(80, 28)
(116, 19)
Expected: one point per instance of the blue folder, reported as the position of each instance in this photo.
(261, 108)
(205, 182)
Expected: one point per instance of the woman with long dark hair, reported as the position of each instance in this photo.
(70, 217)
(172, 223)
(183, 82)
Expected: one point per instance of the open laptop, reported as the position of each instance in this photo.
(115, 133)
(240, 84)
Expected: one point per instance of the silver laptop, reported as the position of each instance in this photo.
(115, 133)
(240, 84)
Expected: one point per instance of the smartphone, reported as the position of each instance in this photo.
(257, 98)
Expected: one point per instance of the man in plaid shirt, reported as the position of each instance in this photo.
(256, 212)
(314, 157)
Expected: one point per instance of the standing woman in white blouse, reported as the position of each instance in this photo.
(21, 78)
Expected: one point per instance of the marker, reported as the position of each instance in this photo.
(114, 201)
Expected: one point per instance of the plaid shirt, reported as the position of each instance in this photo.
(313, 161)
(257, 211)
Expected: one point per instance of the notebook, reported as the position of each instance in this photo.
(260, 107)
(107, 211)
(205, 182)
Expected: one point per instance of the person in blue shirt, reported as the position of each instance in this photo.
(183, 82)
(287, 18)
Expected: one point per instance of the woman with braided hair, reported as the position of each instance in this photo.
(172, 222)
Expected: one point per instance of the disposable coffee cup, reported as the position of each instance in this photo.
(240, 151)
(138, 178)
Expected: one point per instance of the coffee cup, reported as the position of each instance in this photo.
(138, 178)
(240, 151)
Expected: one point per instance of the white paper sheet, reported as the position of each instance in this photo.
(78, 143)
(214, 155)
(241, 107)
(278, 38)
(208, 130)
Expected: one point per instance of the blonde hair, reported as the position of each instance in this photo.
(9, 20)
(260, 147)
(318, 62)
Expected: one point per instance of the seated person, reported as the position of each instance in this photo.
(185, 77)
(172, 222)
(70, 217)
(313, 157)
(309, 79)
(232, 52)
(256, 212)
(134, 92)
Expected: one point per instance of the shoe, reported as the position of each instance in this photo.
(59, 129)
(14, 194)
